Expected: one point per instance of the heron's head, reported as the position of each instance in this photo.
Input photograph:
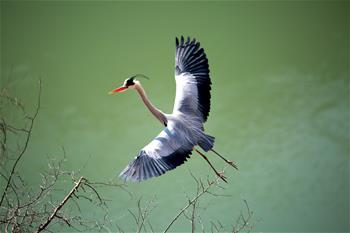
(128, 83)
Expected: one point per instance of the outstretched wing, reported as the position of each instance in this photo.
(164, 153)
(192, 79)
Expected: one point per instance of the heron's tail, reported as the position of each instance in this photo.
(207, 142)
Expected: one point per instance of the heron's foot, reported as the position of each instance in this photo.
(232, 164)
(222, 176)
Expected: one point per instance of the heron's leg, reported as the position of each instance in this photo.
(219, 174)
(226, 160)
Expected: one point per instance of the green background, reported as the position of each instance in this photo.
(280, 74)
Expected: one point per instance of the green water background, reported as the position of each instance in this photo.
(280, 73)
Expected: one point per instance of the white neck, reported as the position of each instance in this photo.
(155, 111)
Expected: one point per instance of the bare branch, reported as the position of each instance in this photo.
(203, 191)
(64, 201)
(32, 119)
(244, 222)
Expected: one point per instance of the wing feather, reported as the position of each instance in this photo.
(162, 154)
(193, 83)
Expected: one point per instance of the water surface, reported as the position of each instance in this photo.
(279, 101)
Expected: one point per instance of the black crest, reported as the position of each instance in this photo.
(130, 81)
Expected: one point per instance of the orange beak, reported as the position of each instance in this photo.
(119, 89)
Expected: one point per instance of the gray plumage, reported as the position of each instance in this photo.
(184, 127)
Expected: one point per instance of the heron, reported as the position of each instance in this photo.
(183, 129)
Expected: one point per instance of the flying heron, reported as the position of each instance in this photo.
(183, 131)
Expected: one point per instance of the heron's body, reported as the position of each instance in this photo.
(184, 128)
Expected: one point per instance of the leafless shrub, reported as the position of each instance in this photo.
(142, 213)
(244, 223)
(24, 208)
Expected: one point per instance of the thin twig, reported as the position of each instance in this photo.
(245, 220)
(64, 201)
(25, 146)
(193, 224)
(210, 184)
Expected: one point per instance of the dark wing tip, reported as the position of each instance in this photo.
(180, 41)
